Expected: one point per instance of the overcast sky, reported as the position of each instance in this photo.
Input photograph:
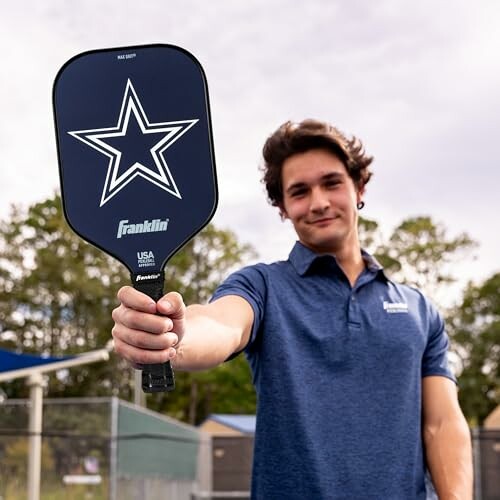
(418, 82)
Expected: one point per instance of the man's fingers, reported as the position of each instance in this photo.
(172, 305)
(138, 357)
(144, 340)
(139, 347)
(132, 298)
(145, 332)
(137, 320)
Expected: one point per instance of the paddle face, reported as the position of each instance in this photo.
(135, 151)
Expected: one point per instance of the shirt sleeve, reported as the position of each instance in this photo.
(435, 358)
(249, 283)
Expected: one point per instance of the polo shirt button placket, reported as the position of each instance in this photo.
(353, 319)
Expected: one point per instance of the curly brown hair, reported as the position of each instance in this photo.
(292, 138)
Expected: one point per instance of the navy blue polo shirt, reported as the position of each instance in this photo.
(337, 371)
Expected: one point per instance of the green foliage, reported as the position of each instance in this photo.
(15, 463)
(195, 272)
(225, 389)
(424, 250)
(419, 252)
(475, 332)
(57, 293)
(90, 434)
(369, 234)
(204, 262)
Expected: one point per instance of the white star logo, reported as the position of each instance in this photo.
(159, 174)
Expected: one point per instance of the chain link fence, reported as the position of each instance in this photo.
(102, 449)
(107, 449)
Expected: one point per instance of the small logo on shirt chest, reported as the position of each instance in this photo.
(395, 307)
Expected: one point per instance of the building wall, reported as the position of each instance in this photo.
(232, 463)
(489, 469)
(492, 421)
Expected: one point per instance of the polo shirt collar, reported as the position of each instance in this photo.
(302, 258)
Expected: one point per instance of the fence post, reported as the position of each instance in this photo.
(36, 384)
(113, 450)
(476, 452)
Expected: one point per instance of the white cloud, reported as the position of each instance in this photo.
(417, 81)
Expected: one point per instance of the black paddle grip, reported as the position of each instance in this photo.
(158, 377)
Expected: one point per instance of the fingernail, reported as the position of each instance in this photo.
(171, 353)
(165, 304)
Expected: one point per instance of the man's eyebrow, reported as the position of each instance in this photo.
(327, 177)
(296, 185)
(333, 175)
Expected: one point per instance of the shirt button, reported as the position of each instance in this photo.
(354, 299)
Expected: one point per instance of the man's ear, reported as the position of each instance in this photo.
(360, 193)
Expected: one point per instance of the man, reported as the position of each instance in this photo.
(355, 397)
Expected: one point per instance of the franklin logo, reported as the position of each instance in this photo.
(154, 226)
(147, 277)
(395, 307)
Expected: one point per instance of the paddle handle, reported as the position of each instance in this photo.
(158, 377)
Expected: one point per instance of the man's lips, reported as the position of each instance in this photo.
(322, 220)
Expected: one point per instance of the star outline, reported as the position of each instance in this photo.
(162, 178)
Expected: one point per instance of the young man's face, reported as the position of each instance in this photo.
(320, 200)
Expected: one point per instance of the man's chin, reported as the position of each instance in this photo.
(323, 245)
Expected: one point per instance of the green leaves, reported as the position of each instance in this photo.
(56, 297)
(57, 293)
(419, 252)
(475, 330)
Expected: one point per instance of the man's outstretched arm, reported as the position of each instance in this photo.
(193, 338)
(447, 439)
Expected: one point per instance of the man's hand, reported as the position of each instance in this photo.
(146, 332)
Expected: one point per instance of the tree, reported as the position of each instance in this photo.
(57, 293)
(419, 253)
(475, 333)
(195, 272)
(370, 235)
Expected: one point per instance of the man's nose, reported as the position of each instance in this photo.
(319, 200)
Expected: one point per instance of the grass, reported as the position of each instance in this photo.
(15, 490)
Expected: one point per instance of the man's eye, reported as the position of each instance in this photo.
(332, 184)
(298, 193)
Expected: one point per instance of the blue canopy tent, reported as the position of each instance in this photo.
(13, 366)
(10, 361)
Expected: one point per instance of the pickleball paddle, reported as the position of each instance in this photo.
(136, 160)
